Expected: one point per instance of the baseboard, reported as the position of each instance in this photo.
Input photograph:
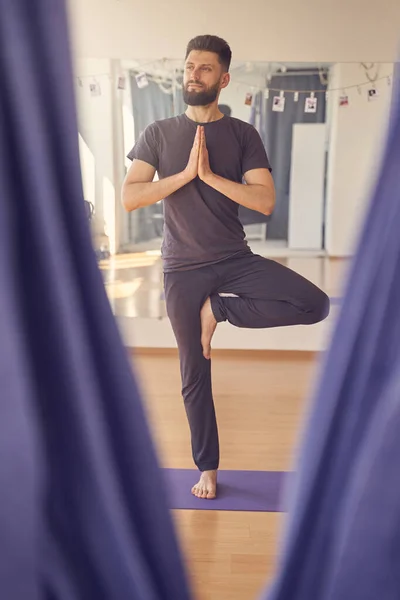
(157, 333)
(234, 353)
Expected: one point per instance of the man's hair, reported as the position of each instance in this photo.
(212, 43)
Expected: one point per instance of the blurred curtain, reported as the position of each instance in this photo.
(83, 512)
(343, 533)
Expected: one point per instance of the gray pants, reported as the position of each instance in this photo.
(269, 295)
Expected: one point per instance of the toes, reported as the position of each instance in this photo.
(197, 491)
(203, 492)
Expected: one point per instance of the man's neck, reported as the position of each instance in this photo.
(204, 114)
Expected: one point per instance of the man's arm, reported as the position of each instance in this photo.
(140, 190)
(258, 194)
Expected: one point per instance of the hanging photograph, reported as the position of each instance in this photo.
(278, 104)
(249, 99)
(343, 101)
(310, 105)
(372, 94)
(95, 89)
(296, 96)
(121, 83)
(141, 80)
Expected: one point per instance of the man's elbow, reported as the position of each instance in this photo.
(269, 206)
(127, 198)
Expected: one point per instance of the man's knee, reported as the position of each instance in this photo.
(321, 307)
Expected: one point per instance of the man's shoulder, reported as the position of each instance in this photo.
(168, 123)
(241, 125)
(242, 129)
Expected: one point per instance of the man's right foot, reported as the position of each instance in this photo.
(208, 326)
(207, 486)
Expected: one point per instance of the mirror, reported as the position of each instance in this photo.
(321, 125)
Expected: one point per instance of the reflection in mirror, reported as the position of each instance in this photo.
(313, 120)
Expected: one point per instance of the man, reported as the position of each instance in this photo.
(210, 274)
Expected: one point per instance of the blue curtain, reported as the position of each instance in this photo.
(150, 104)
(342, 538)
(83, 513)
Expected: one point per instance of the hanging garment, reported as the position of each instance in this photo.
(83, 514)
(342, 539)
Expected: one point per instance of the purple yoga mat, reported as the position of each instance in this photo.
(237, 490)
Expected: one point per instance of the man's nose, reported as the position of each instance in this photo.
(195, 75)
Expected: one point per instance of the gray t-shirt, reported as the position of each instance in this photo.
(201, 225)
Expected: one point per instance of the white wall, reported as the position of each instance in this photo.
(307, 174)
(100, 124)
(331, 31)
(234, 96)
(95, 129)
(355, 149)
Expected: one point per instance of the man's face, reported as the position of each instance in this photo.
(203, 79)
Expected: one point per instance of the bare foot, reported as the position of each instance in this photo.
(208, 326)
(207, 486)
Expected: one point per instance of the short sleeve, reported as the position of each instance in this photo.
(146, 148)
(254, 153)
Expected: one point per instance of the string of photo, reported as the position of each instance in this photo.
(278, 95)
(311, 101)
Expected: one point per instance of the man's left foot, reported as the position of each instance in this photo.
(207, 486)
(208, 326)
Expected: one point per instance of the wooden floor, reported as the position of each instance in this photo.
(260, 400)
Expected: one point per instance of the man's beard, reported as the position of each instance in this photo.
(201, 97)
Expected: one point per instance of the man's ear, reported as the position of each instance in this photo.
(225, 80)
